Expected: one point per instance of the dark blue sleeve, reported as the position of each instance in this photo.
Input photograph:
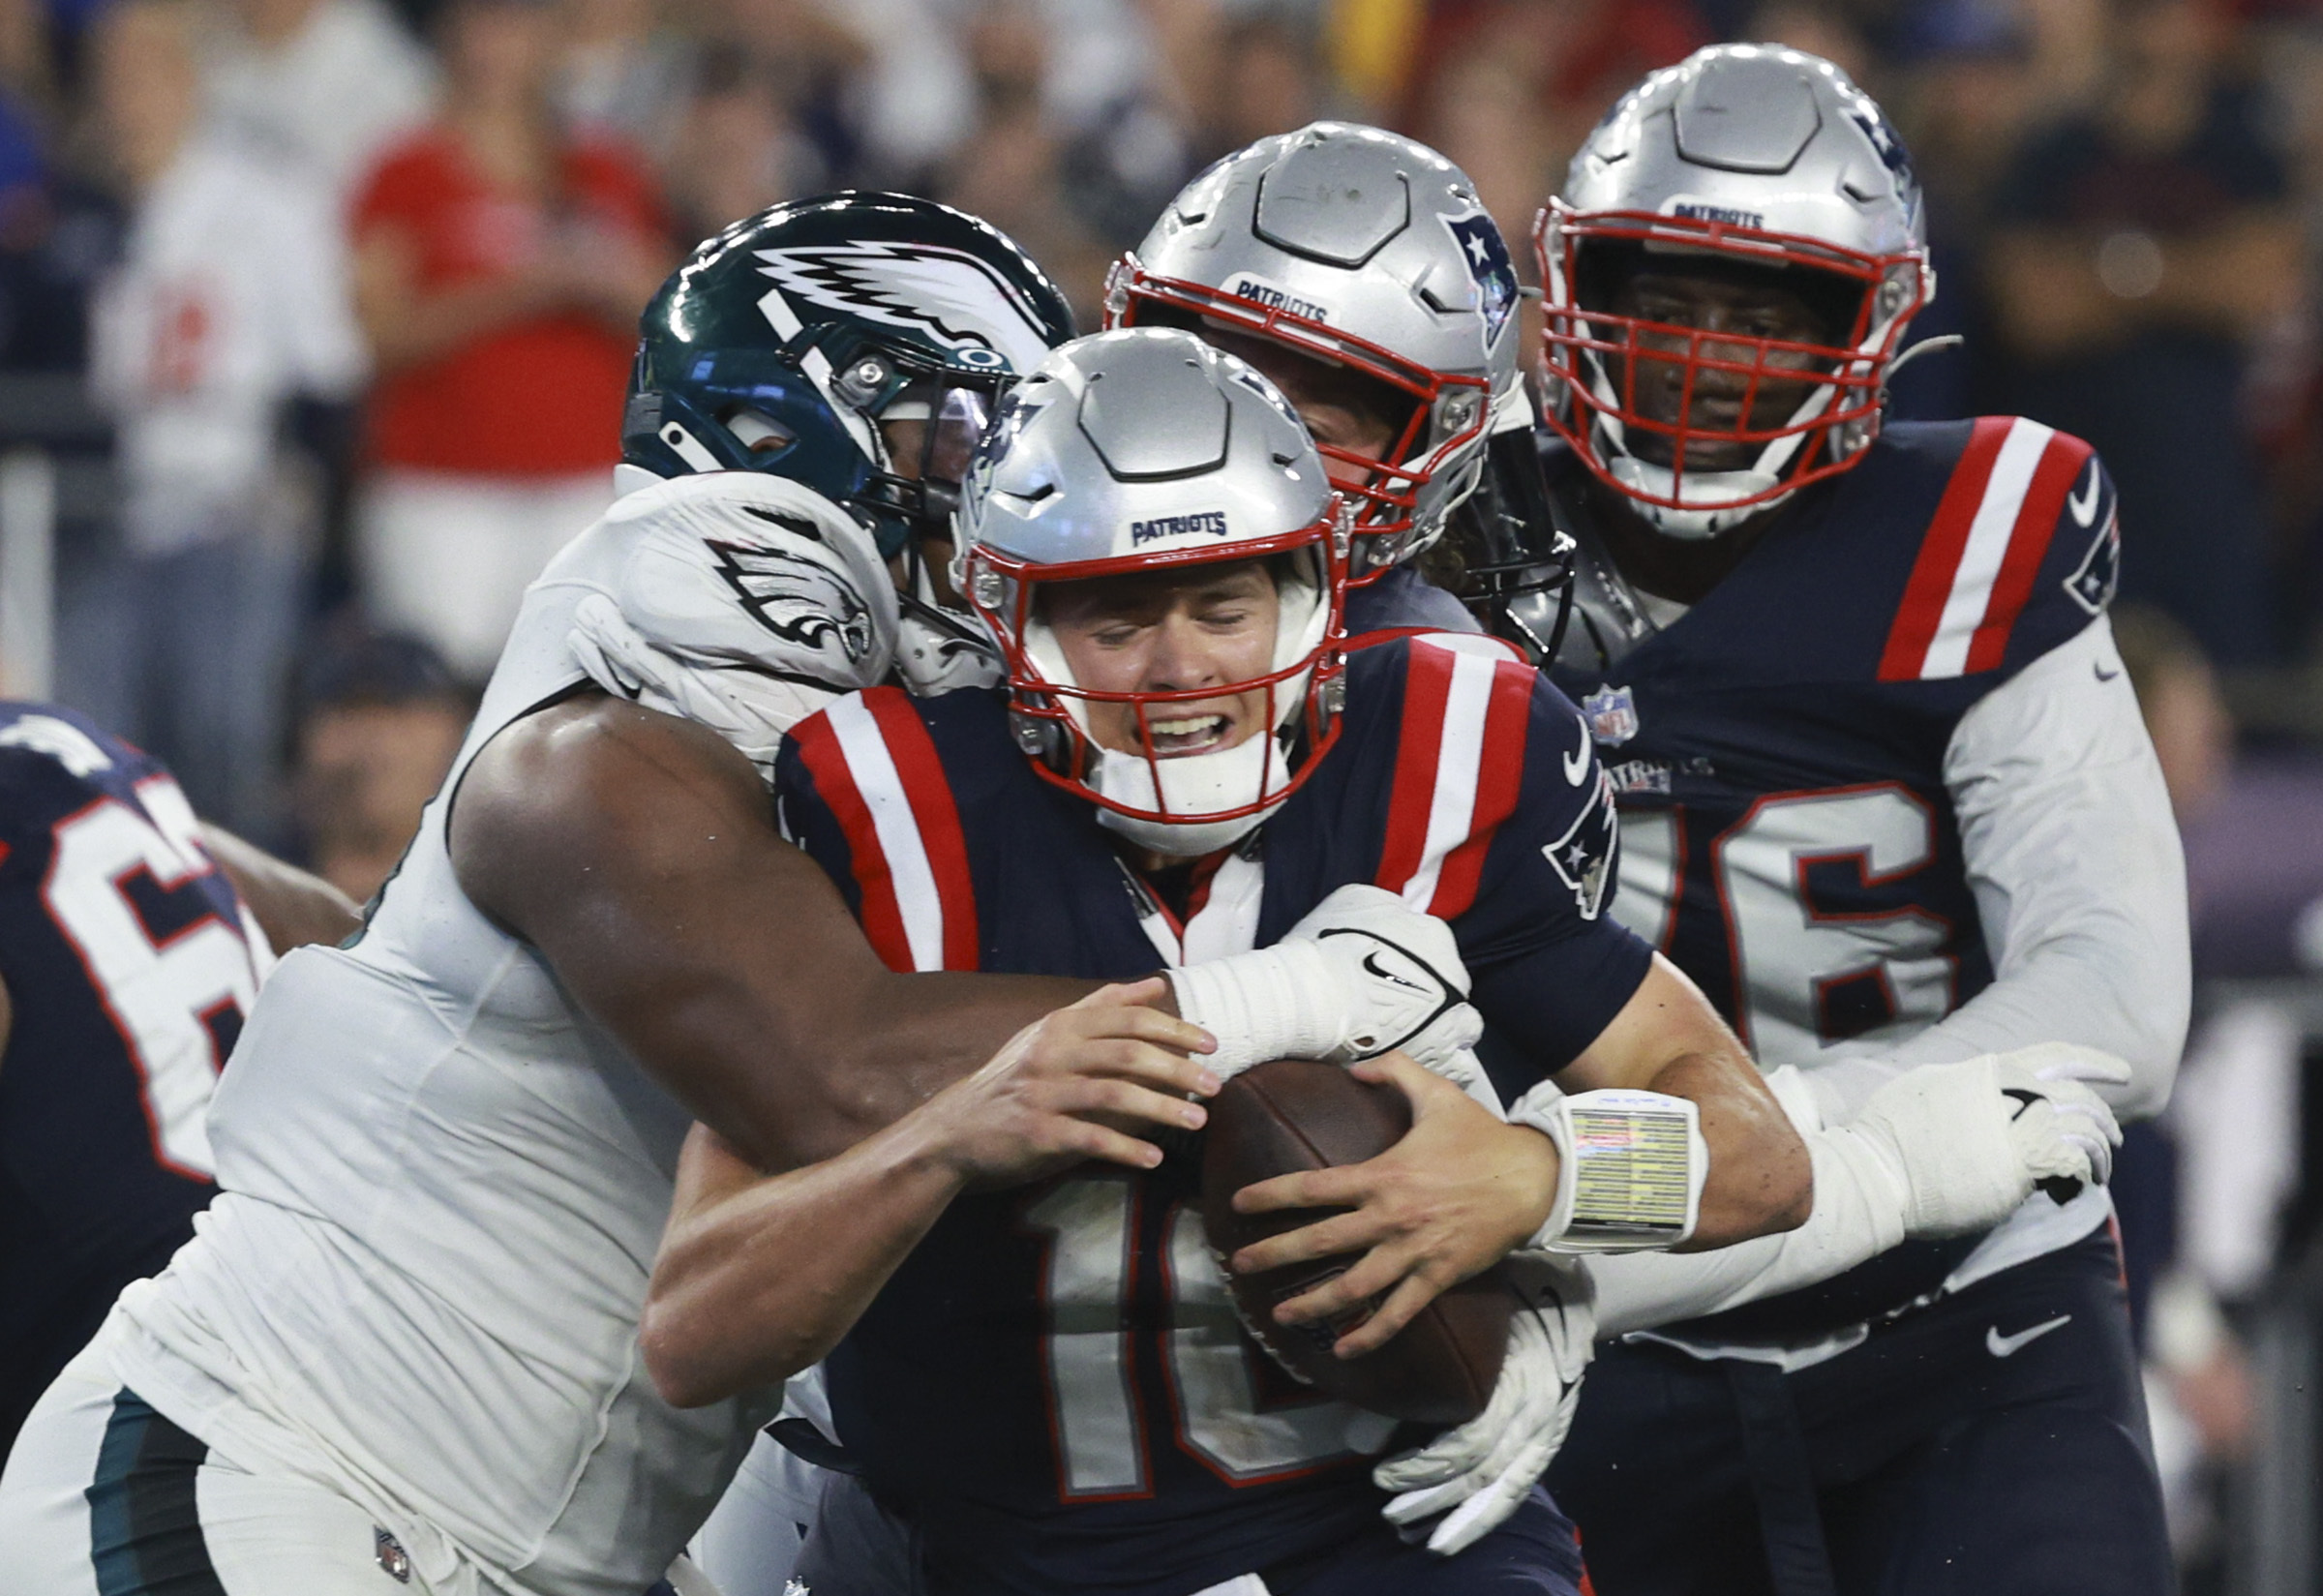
(2078, 572)
(1551, 968)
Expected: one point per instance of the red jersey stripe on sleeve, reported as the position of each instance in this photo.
(2060, 465)
(1427, 685)
(944, 844)
(1499, 780)
(826, 760)
(1930, 585)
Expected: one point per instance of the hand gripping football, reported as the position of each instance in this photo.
(1295, 1115)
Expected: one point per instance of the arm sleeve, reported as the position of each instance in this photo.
(1550, 968)
(1858, 1213)
(2079, 880)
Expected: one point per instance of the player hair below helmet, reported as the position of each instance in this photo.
(1766, 174)
(1147, 454)
(1369, 254)
(787, 341)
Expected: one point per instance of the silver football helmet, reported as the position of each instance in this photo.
(1740, 154)
(1357, 248)
(1141, 450)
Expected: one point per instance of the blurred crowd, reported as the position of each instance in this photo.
(352, 285)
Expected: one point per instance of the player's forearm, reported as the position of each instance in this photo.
(1761, 1180)
(294, 908)
(762, 1279)
(1857, 1215)
(1668, 1038)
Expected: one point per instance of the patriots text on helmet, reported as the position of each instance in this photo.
(1203, 522)
(1264, 294)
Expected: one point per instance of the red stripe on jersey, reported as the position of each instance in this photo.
(1499, 779)
(1427, 689)
(1931, 582)
(2060, 465)
(937, 817)
(881, 915)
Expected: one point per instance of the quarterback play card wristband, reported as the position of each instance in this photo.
(1630, 1166)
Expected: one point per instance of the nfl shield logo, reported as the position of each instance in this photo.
(1613, 715)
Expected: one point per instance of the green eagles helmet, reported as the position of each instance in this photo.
(787, 338)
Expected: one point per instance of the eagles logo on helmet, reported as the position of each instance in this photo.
(789, 337)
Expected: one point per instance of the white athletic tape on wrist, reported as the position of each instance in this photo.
(1272, 1003)
(1630, 1171)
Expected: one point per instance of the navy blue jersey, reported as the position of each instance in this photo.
(123, 951)
(1054, 1380)
(1778, 750)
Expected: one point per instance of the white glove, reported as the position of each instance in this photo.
(1360, 975)
(1476, 1474)
(1968, 1141)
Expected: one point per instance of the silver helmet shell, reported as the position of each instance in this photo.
(1139, 450)
(1746, 153)
(1360, 247)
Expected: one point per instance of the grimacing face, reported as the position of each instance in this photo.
(1174, 630)
(1713, 304)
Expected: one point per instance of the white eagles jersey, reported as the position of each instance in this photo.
(444, 1184)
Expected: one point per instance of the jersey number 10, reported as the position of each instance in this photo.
(1100, 1425)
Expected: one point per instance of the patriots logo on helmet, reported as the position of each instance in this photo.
(1486, 254)
(948, 296)
(1583, 856)
(800, 600)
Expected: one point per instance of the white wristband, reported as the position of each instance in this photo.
(1630, 1168)
(1272, 1003)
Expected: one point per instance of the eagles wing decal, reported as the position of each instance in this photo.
(946, 296)
(799, 600)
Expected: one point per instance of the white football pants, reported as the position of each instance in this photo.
(104, 1497)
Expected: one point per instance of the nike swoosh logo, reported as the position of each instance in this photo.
(2002, 1347)
(1576, 762)
(1371, 962)
(2085, 508)
(2104, 674)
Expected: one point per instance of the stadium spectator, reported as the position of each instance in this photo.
(328, 82)
(380, 720)
(499, 267)
(229, 303)
(2143, 245)
(739, 149)
(626, 76)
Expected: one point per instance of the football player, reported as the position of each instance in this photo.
(403, 1347)
(1357, 269)
(1884, 795)
(133, 941)
(1051, 1385)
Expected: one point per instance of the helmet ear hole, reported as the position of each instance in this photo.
(757, 432)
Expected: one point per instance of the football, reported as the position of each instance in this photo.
(1295, 1115)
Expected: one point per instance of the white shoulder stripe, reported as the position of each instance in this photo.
(1458, 761)
(873, 769)
(1988, 538)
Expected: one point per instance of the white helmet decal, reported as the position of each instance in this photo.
(948, 295)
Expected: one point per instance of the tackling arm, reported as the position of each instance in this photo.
(2073, 855)
(638, 853)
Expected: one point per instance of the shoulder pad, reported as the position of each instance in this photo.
(2020, 553)
(745, 601)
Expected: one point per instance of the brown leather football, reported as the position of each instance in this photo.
(1295, 1115)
